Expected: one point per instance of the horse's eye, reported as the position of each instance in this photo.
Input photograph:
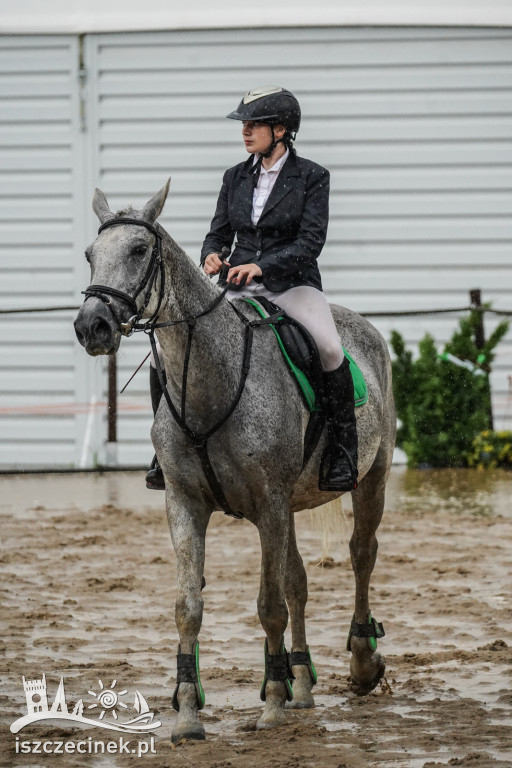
(140, 250)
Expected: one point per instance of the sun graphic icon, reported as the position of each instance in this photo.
(108, 699)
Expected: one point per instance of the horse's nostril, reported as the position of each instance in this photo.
(101, 330)
(80, 336)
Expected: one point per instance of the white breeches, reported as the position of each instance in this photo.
(309, 306)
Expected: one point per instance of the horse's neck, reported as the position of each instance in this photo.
(218, 337)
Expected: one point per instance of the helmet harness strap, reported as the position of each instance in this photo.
(256, 168)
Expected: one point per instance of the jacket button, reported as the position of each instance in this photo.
(258, 253)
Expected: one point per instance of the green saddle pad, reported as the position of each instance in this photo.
(360, 388)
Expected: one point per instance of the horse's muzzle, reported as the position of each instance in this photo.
(96, 328)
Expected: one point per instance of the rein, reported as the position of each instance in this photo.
(199, 439)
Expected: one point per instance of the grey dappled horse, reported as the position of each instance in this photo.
(257, 453)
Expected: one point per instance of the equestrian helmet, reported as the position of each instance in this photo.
(269, 104)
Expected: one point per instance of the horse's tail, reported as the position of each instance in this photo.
(331, 523)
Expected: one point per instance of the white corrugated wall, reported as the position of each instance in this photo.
(414, 124)
(42, 377)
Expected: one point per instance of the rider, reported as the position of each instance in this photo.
(277, 205)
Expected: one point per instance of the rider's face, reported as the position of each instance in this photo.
(258, 136)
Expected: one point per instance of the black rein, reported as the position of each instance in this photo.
(199, 439)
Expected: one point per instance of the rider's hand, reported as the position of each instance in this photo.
(247, 271)
(213, 264)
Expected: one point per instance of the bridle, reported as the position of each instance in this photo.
(155, 268)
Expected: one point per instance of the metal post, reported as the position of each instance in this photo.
(112, 412)
(475, 297)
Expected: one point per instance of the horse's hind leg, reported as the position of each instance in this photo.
(296, 587)
(366, 665)
(273, 525)
(188, 522)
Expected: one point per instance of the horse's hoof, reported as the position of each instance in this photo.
(195, 732)
(307, 702)
(365, 677)
(272, 720)
(302, 685)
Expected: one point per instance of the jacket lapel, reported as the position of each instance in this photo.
(283, 184)
(245, 191)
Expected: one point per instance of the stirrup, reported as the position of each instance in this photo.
(303, 658)
(277, 668)
(372, 629)
(155, 477)
(325, 485)
(188, 672)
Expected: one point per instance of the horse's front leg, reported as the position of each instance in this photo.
(296, 587)
(273, 528)
(188, 521)
(367, 666)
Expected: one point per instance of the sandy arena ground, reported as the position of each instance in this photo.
(88, 588)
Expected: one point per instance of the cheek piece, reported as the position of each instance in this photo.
(155, 267)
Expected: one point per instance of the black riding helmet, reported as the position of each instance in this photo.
(272, 105)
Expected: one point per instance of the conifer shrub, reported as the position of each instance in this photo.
(442, 405)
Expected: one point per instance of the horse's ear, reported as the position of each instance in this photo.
(100, 206)
(153, 207)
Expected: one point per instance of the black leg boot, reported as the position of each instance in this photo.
(155, 476)
(341, 474)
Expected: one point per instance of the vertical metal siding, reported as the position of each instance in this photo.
(40, 235)
(414, 124)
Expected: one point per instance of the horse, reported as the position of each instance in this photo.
(249, 408)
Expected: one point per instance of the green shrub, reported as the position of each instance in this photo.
(443, 406)
(491, 450)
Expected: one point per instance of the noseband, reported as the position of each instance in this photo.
(154, 268)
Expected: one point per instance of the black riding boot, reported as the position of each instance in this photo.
(155, 476)
(341, 424)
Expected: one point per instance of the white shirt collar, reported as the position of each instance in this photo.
(277, 165)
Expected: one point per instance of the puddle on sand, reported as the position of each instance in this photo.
(453, 490)
(478, 683)
(78, 491)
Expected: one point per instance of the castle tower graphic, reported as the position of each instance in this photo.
(35, 691)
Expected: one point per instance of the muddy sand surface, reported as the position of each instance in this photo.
(88, 589)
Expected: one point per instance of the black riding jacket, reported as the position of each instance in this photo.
(292, 228)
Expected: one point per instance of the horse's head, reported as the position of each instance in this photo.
(126, 268)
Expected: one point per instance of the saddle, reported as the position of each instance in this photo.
(299, 349)
(301, 353)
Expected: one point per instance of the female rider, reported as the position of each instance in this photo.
(277, 205)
